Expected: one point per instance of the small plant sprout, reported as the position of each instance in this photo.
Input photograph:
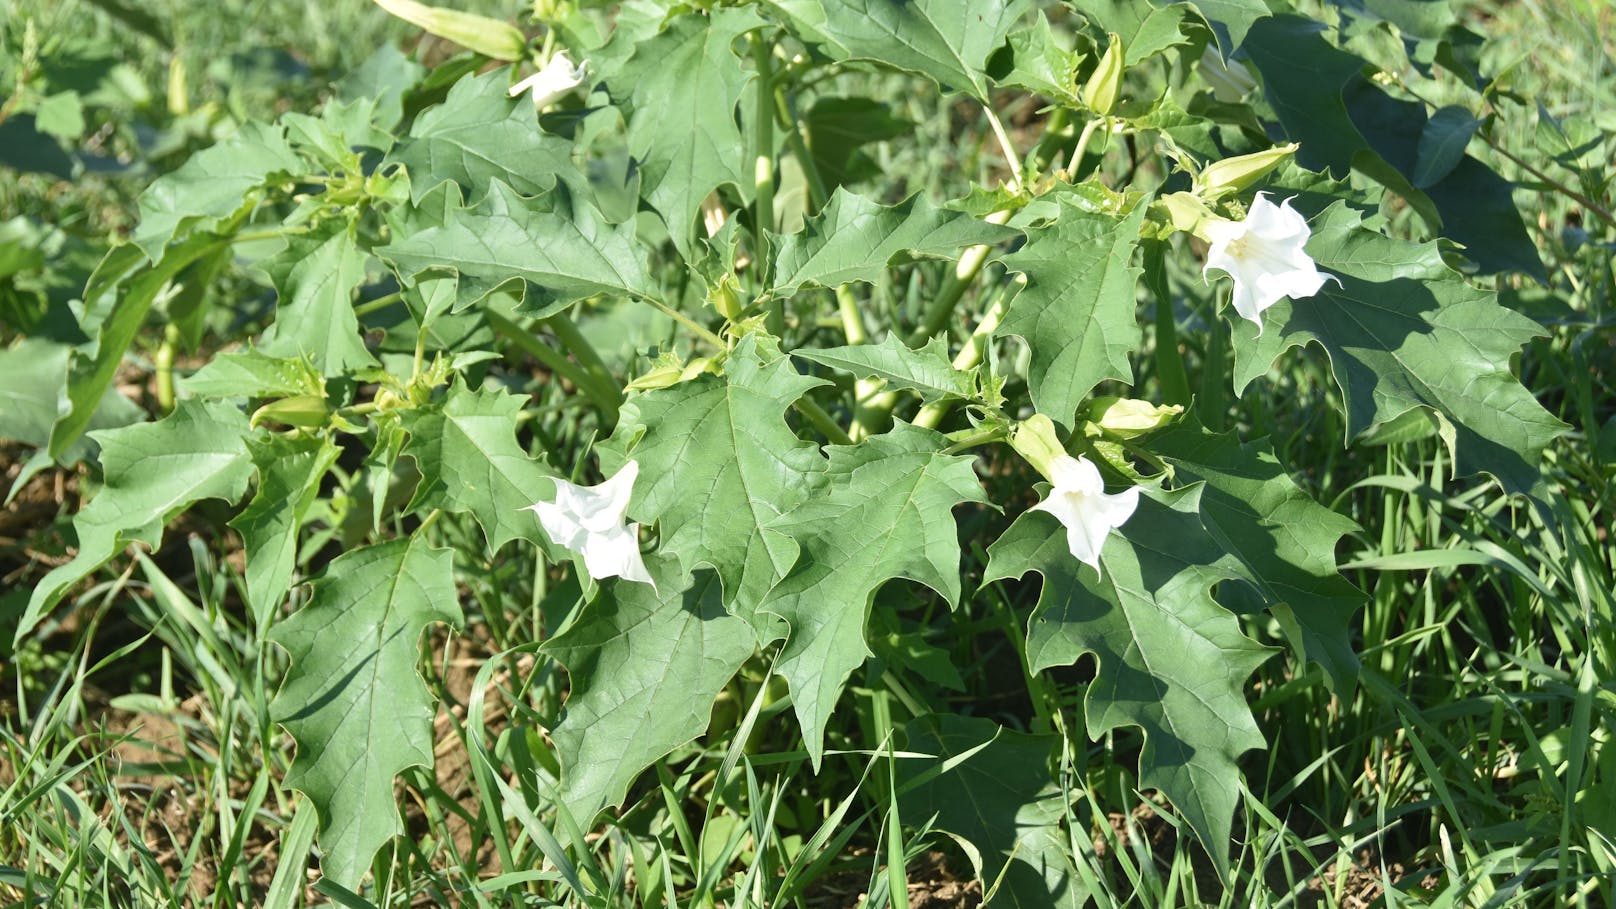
(1077, 498)
(551, 83)
(1264, 255)
(589, 520)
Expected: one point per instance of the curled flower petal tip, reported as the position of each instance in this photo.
(551, 83)
(591, 521)
(1079, 501)
(1265, 256)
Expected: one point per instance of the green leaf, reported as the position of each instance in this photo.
(252, 373)
(719, 463)
(679, 89)
(315, 278)
(1077, 312)
(478, 135)
(1403, 330)
(927, 370)
(1001, 803)
(35, 370)
(855, 239)
(886, 513)
(645, 667)
(213, 184)
(1145, 30)
(1042, 63)
(837, 127)
(290, 469)
(948, 40)
(1170, 659)
(1232, 19)
(353, 699)
(133, 287)
(153, 472)
(1442, 144)
(470, 463)
(1285, 540)
(564, 253)
(1344, 121)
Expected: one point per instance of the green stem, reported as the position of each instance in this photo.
(973, 438)
(700, 330)
(822, 421)
(164, 362)
(370, 306)
(1017, 179)
(1082, 146)
(941, 307)
(557, 363)
(818, 195)
(763, 177)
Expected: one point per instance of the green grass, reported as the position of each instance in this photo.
(1474, 765)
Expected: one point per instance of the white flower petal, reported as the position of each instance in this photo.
(1079, 501)
(1265, 256)
(589, 521)
(556, 79)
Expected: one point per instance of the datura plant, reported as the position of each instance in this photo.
(820, 392)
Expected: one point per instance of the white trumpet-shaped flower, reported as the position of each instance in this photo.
(1264, 255)
(589, 520)
(549, 84)
(1079, 501)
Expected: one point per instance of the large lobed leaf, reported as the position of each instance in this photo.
(153, 472)
(948, 40)
(679, 89)
(213, 184)
(886, 512)
(353, 699)
(1285, 539)
(315, 278)
(470, 463)
(928, 371)
(1343, 121)
(855, 239)
(1171, 660)
(561, 252)
(290, 469)
(719, 463)
(479, 135)
(1077, 312)
(645, 665)
(1403, 330)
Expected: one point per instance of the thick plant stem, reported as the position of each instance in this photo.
(941, 307)
(164, 363)
(605, 398)
(818, 195)
(763, 178)
(1017, 178)
(822, 421)
(1082, 146)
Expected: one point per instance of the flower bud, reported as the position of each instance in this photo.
(489, 37)
(302, 411)
(1100, 92)
(1035, 440)
(1231, 175)
(725, 297)
(1127, 418)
